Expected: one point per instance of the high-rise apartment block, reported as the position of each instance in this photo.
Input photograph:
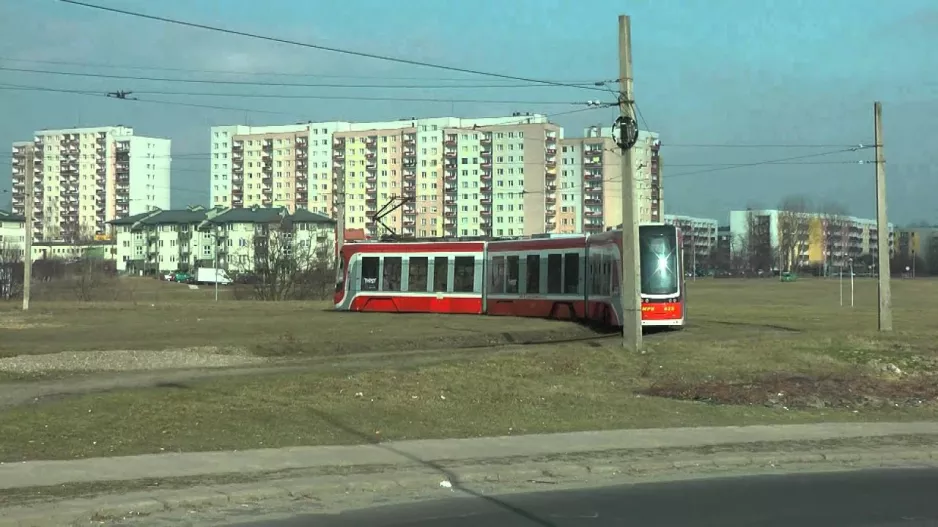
(499, 176)
(86, 177)
(591, 181)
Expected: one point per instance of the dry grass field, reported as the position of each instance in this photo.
(755, 351)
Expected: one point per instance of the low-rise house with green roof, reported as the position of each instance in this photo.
(237, 239)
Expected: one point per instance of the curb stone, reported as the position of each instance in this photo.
(421, 482)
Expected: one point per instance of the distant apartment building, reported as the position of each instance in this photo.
(237, 239)
(84, 178)
(818, 240)
(417, 177)
(12, 235)
(590, 185)
(916, 242)
(700, 236)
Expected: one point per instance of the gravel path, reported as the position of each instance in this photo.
(124, 360)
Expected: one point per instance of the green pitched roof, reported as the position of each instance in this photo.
(9, 216)
(195, 215)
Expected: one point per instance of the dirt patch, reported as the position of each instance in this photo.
(126, 360)
(805, 391)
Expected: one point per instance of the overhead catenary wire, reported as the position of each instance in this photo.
(361, 54)
(767, 162)
(89, 93)
(268, 83)
(265, 73)
(134, 95)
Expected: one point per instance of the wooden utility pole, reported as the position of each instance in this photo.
(631, 270)
(882, 224)
(30, 215)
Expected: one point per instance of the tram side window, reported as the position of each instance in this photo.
(370, 266)
(533, 285)
(606, 274)
(440, 272)
(497, 275)
(464, 274)
(417, 274)
(596, 271)
(393, 265)
(554, 274)
(571, 272)
(512, 273)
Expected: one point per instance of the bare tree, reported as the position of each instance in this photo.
(755, 246)
(835, 231)
(11, 270)
(794, 229)
(89, 275)
(290, 262)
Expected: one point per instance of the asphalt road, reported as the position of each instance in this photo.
(879, 498)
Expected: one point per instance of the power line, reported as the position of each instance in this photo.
(732, 165)
(357, 98)
(87, 93)
(295, 97)
(362, 54)
(766, 162)
(274, 84)
(740, 145)
(261, 73)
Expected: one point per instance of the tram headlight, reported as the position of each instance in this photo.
(662, 264)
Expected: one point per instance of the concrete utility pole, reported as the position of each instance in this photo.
(631, 263)
(28, 233)
(882, 224)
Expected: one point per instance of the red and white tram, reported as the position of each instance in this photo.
(565, 277)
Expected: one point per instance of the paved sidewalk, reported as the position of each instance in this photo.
(43, 473)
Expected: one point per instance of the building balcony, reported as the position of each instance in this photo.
(486, 140)
(450, 154)
(450, 190)
(486, 212)
(550, 200)
(486, 165)
(410, 140)
(592, 176)
(486, 154)
(551, 151)
(371, 142)
(450, 141)
(486, 200)
(409, 176)
(550, 212)
(486, 189)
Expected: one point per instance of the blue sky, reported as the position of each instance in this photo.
(731, 72)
